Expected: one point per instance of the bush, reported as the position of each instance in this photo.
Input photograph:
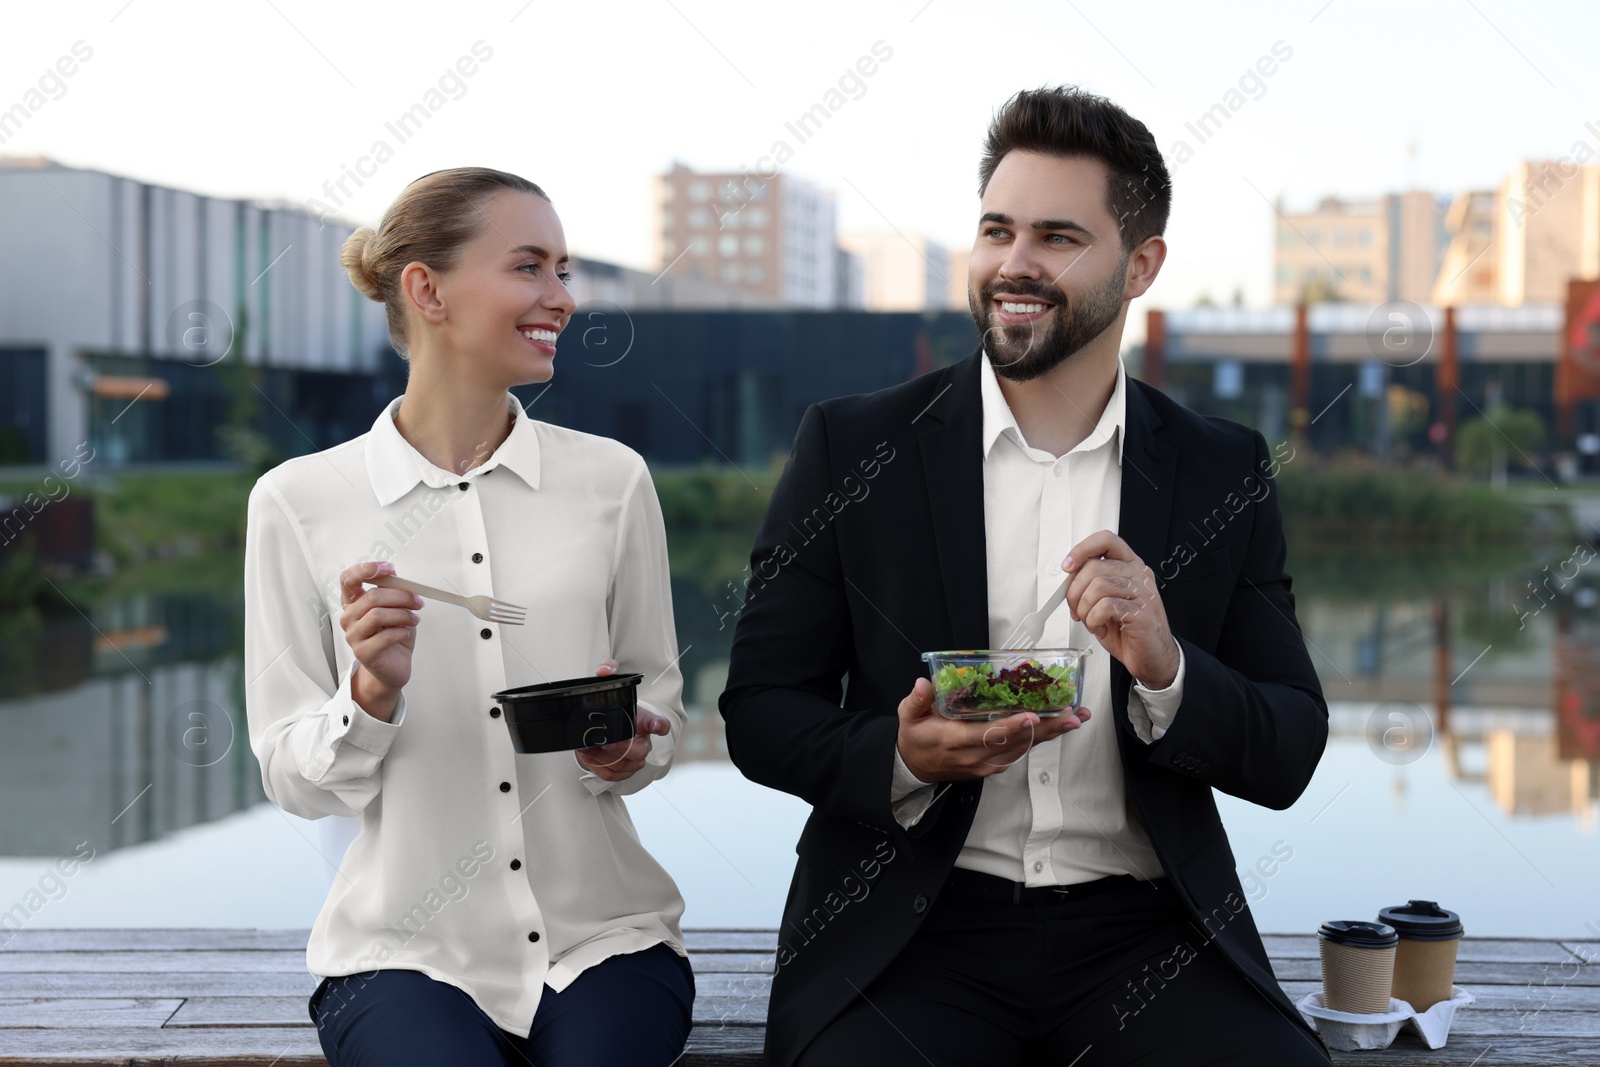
(713, 498)
(1352, 505)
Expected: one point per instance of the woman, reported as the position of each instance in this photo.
(495, 908)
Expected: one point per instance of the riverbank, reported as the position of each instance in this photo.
(143, 519)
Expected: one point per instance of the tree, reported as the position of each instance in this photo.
(1500, 435)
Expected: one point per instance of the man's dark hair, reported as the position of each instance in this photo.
(1066, 121)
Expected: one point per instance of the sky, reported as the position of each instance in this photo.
(279, 99)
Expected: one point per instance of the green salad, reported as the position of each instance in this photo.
(1025, 687)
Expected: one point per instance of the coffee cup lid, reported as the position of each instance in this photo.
(1422, 920)
(1358, 934)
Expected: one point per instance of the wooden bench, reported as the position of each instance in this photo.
(207, 998)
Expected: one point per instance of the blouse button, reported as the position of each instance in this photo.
(505, 787)
(477, 557)
(494, 713)
(533, 935)
(484, 633)
(462, 487)
(516, 865)
(347, 720)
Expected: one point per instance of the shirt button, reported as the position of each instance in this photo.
(462, 487)
(1038, 865)
(1056, 470)
(484, 633)
(1044, 776)
(347, 720)
(477, 557)
(516, 865)
(919, 905)
(533, 935)
(505, 787)
(494, 713)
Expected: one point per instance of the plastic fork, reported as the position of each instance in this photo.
(1031, 628)
(486, 608)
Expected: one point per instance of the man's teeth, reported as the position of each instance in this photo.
(547, 336)
(1011, 308)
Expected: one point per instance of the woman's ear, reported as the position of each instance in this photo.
(421, 287)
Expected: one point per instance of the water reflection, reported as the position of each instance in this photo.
(126, 725)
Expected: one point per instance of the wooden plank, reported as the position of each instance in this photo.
(1525, 1052)
(242, 1011)
(154, 939)
(731, 941)
(1472, 949)
(1468, 975)
(64, 1012)
(1587, 951)
(158, 984)
(153, 961)
(1491, 1024)
(1501, 997)
(255, 1046)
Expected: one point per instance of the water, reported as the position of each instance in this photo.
(1464, 762)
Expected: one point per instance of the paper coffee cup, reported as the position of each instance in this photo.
(1357, 965)
(1425, 959)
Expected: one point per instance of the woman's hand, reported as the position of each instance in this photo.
(622, 759)
(380, 625)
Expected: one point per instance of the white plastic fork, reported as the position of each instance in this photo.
(486, 608)
(1031, 628)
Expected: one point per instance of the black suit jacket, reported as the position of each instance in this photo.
(872, 552)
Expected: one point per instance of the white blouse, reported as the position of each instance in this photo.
(495, 872)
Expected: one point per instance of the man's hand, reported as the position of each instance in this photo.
(937, 749)
(1114, 594)
(623, 759)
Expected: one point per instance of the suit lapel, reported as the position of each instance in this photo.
(1149, 466)
(952, 464)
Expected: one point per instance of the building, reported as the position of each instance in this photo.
(956, 294)
(1324, 373)
(1547, 230)
(596, 282)
(1469, 272)
(130, 306)
(1364, 251)
(902, 272)
(772, 235)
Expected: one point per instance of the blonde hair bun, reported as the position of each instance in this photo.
(353, 258)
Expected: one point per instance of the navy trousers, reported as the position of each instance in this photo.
(629, 1009)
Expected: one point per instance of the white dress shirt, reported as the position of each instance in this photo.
(1060, 814)
(495, 872)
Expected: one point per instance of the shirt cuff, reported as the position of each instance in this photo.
(909, 796)
(358, 727)
(1151, 711)
(347, 723)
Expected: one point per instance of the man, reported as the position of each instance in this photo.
(1053, 890)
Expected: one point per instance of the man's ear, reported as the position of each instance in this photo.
(1144, 263)
(421, 286)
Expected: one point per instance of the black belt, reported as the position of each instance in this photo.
(975, 885)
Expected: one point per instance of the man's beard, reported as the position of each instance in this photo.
(1022, 353)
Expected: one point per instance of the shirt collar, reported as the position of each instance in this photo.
(998, 419)
(395, 466)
